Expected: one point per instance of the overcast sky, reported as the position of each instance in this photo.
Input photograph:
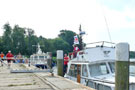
(48, 17)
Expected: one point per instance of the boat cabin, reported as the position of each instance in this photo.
(95, 67)
(39, 59)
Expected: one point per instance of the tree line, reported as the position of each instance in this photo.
(23, 40)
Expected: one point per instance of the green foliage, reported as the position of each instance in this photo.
(54, 59)
(23, 40)
(31, 41)
(68, 36)
(6, 38)
(60, 44)
(18, 39)
(46, 44)
(1, 44)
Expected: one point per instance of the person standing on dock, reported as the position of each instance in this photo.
(19, 58)
(66, 59)
(2, 58)
(9, 57)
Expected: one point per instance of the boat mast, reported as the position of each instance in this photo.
(80, 35)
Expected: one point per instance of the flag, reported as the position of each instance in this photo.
(76, 41)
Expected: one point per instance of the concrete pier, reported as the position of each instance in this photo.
(35, 81)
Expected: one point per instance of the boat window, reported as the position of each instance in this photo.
(35, 57)
(132, 86)
(132, 69)
(41, 57)
(91, 84)
(73, 70)
(112, 66)
(45, 56)
(85, 72)
(102, 87)
(98, 69)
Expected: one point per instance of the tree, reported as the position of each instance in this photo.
(60, 44)
(30, 40)
(68, 36)
(46, 44)
(18, 36)
(1, 44)
(24, 41)
(6, 38)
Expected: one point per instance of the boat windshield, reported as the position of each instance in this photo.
(112, 66)
(35, 57)
(98, 69)
(131, 67)
(41, 57)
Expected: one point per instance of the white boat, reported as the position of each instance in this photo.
(39, 59)
(95, 67)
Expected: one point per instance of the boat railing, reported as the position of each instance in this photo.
(101, 44)
(97, 80)
(72, 54)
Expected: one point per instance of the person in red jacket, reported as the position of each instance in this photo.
(76, 49)
(9, 57)
(66, 59)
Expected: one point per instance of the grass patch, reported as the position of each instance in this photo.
(12, 85)
(21, 65)
(34, 83)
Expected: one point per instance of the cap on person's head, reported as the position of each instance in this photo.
(9, 51)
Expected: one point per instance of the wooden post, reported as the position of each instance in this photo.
(60, 63)
(49, 59)
(122, 67)
(78, 73)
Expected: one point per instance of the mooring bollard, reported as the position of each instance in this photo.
(60, 62)
(49, 59)
(122, 67)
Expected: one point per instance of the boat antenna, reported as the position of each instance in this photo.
(108, 30)
(81, 33)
